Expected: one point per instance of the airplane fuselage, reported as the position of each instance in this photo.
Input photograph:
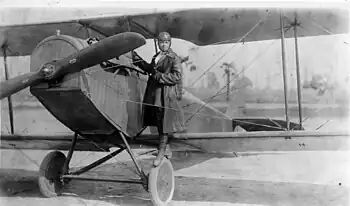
(93, 101)
(97, 102)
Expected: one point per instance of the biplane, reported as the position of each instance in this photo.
(102, 105)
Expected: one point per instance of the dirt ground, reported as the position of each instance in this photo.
(286, 178)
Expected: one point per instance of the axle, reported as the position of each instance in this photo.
(100, 179)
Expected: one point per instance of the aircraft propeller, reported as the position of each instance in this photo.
(94, 54)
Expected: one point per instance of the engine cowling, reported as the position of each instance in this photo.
(54, 48)
(70, 98)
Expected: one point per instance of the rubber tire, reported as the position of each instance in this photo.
(153, 183)
(50, 172)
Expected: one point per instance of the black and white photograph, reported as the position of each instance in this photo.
(174, 103)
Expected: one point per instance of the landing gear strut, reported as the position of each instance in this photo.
(54, 173)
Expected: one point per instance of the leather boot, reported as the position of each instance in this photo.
(168, 154)
(161, 150)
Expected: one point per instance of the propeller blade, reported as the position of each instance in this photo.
(18, 83)
(103, 50)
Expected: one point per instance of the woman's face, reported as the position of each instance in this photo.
(164, 45)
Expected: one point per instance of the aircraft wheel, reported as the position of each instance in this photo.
(161, 183)
(50, 183)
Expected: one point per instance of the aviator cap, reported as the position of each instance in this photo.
(164, 36)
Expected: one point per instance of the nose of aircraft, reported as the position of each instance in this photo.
(103, 50)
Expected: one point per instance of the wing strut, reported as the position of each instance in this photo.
(295, 24)
(9, 98)
(284, 66)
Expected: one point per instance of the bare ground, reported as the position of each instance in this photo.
(311, 178)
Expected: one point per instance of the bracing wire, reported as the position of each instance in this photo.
(314, 23)
(193, 103)
(319, 26)
(210, 98)
(257, 56)
(205, 103)
(259, 23)
(198, 113)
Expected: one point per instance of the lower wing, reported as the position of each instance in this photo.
(47, 142)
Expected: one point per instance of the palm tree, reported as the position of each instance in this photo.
(228, 66)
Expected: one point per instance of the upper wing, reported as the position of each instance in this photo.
(200, 26)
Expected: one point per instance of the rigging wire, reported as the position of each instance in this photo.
(142, 103)
(187, 105)
(320, 27)
(198, 113)
(261, 53)
(222, 93)
(259, 23)
(217, 94)
(328, 32)
(193, 103)
(276, 123)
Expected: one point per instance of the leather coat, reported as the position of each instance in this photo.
(164, 90)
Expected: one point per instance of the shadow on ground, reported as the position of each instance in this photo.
(23, 184)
